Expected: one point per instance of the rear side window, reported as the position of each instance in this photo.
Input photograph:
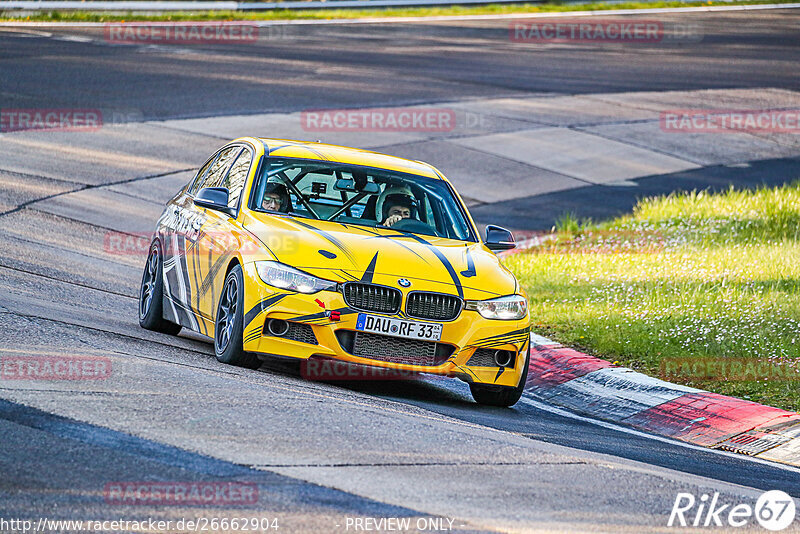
(194, 184)
(218, 170)
(237, 177)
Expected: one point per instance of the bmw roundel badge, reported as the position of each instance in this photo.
(404, 282)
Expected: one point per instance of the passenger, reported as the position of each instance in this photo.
(276, 198)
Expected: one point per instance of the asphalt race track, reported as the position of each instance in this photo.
(322, 454)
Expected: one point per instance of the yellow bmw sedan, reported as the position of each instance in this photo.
(321, 252)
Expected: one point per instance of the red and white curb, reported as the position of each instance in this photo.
(579, 383)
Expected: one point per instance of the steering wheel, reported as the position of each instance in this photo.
(413, 225)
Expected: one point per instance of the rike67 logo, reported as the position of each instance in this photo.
(774, 510)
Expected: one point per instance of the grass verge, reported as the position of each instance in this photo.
(688, 280)
(326, 14)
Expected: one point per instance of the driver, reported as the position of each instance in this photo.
(395, 204)
(276, 198)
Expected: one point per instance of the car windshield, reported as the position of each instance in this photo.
(361, 196)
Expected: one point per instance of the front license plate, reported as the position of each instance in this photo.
(398, 327)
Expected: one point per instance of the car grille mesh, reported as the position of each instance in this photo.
(296, 332)
(433, 306)
(301, 332)
(394, 349)
(482, 358)
(485, 358)
(372, 297)
(389, 349)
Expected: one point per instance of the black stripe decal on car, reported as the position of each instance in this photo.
(445, 262)
(261, 306)
(367, 277)
(333, 240)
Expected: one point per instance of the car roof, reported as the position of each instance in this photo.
(288, 148)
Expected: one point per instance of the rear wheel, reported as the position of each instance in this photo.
(496, 396)
(151, 295)
(228, 337)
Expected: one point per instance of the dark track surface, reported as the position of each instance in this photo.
(350, 66)
(328, 66)
(320, 451)
(452, 399)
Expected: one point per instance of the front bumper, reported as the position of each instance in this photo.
(315, 329)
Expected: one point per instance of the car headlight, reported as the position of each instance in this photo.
(506, 308)
(282, 276)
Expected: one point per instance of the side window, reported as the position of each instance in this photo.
(194, 185)
(237, 177)
(216, 174)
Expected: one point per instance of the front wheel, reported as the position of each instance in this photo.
(505, 397)
(151, 295)
(228, 337)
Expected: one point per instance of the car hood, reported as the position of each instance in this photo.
(349, 252)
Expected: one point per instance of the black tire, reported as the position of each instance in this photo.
(501, 396)
(151, 295)
(228, 326)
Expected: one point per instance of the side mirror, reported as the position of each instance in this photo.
(214, 198)
(498, 238)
